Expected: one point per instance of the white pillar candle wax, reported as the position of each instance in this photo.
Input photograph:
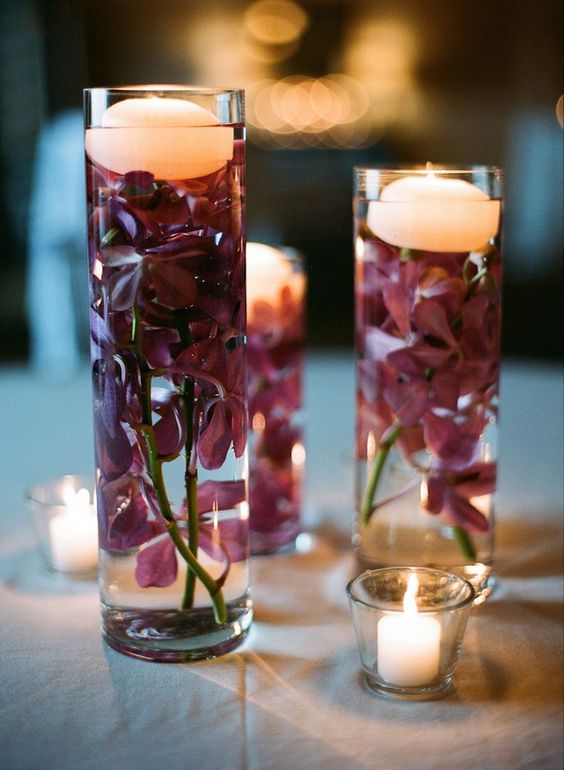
(409, 644)
(432, 212)
(171, 138)
(73, 534)
(269, 272)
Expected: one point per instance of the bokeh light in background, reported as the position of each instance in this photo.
(330, 84)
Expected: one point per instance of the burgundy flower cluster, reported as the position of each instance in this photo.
(167, 320)
(275, 349)
(428, 336)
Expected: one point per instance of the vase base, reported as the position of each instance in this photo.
(434, 692)
(176, 636)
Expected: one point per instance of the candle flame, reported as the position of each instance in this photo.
(409, 603)
(75, 501)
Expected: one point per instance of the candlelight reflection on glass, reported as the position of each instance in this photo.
(66, 526)
(409, 624)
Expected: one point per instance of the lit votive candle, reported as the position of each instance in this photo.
(409, 644)
(432, 211)
(168, 137)
(73, 533)
(410, 653)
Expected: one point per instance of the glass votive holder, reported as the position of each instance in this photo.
(409, 624)
(65, 522)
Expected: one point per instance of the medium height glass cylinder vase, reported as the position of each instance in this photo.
(276, 287)
(166, 230)
(428, 313)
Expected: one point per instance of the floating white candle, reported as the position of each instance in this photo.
(269, 273)
(409, 644)
(73, 534)
(171, 138)
(432, 212)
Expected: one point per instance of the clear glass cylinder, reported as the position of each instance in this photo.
(166, 231)
(276, 287)
(427, 331)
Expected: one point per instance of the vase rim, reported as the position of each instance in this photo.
(374, 604)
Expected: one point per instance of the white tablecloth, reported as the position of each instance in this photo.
(292, 695)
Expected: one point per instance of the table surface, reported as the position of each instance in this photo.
(292, 695)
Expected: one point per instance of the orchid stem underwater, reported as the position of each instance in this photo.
(188, 552)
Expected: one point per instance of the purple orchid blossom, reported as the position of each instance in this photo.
(225, 541)
(167, 319)
(427, 379)
(452, 493)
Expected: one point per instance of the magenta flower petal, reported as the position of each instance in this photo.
(114, 454)
(226, 542)
(215, 439)
(157, 564)
(454, 446)
(174, 285)
(433, 494)
(431, 318)
(170, 429)
(124, 522)
(461, 511)
(220, 495)
(478, 479)
(124, 285)
(445, 388)
(378, 344)
(398, 301)
(238, 424)
(408, 400)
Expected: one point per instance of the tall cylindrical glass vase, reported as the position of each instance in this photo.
(428, 314)
(166, 231)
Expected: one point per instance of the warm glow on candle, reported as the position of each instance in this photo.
(171, 138)
(432, 212)
(409, 643)
(73, 534)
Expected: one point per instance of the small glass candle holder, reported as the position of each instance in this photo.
(409, 624)
(65, 521)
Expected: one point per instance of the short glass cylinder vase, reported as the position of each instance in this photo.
(65, 523)
(166, 230)
(276, 287)
(427, 328)
(409, 624)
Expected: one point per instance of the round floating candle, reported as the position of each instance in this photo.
(409, 644)
(432, 212)
(73, 534)
(269, 276)
(171, 138)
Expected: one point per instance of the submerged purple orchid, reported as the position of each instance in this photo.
(167, 313)
(275, 339)
(428, 327)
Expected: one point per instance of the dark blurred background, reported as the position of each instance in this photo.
(329, 84)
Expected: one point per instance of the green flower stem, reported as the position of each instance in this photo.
(190, 476)
(191, 484)
(367, 504)
(464, 542)
(156, 474)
